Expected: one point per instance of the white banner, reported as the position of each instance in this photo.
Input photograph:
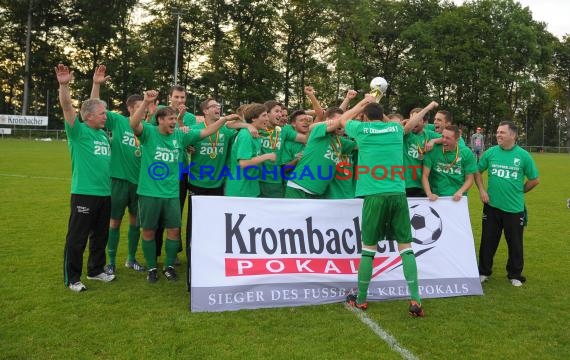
(23, 120)
(5, 131)
(252, 253)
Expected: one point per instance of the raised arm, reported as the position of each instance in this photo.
(136, 118)
(355, 111)
(319, 112)
(64, 77)
(180, 117)
(236, 122)
(350, 94)
(418, 117)
(218, 124)
(98, 79)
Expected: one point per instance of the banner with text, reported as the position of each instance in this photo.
(23, 120)
(250, 253)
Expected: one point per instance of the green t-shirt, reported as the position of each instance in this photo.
(239, 183)
(342, 187)
(414, 153)
(448, 169)
(430, 127)
(125, 164)
(381, 152)
(290, 150)
(161, 160)
(272, 141)
(210, 158)
(317, 167)
(506, 172)
(188, 119)
(90, 159)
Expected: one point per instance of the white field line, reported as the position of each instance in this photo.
(34, 177)
(383, 334)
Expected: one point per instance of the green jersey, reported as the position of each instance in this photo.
(244, 182)
(317, 167)
(125, 158)
(161, 158)
(188, 119)
(290, 151)
(414, 152)
(430, 127)
(449, 168)
(342, 185)
(90, 159)
(506, 171)
(380, 152)
(272, 142)
(210, 157)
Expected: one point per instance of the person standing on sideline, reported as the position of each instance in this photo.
(504, 210)
(90, 186)
(125, 169)
(385, 207)
(478, 143)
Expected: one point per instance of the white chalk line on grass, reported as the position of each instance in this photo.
(383, 334)
(34, 177)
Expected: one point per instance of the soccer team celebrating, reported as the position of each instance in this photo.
(258, 152)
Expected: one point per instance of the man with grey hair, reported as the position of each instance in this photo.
(90, 186)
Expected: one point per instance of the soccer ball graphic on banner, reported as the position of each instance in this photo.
(426, 224)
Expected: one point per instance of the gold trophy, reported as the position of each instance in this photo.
(378, 87)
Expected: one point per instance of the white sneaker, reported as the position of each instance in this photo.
(483, 278)
(77, 287)
(516, 282)
(102, 277)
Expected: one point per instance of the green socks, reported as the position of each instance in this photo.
(171, 251)
(149, 251)
(112, 244)
(133, 241)
(364, 274)
(411, 273)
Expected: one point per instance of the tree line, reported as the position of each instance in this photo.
(486, 60)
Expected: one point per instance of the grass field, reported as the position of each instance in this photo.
(128, 319)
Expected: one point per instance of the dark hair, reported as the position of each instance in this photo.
(332, 111)
(252, 111)
(176, 88)
(511, 125)
(295, 114)
(133, 99)
(204, 104)
(164, 112)
(270, 104)
(374, 111)
(453, 128)
(448, 116)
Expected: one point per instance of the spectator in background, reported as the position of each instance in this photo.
(478, 143)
